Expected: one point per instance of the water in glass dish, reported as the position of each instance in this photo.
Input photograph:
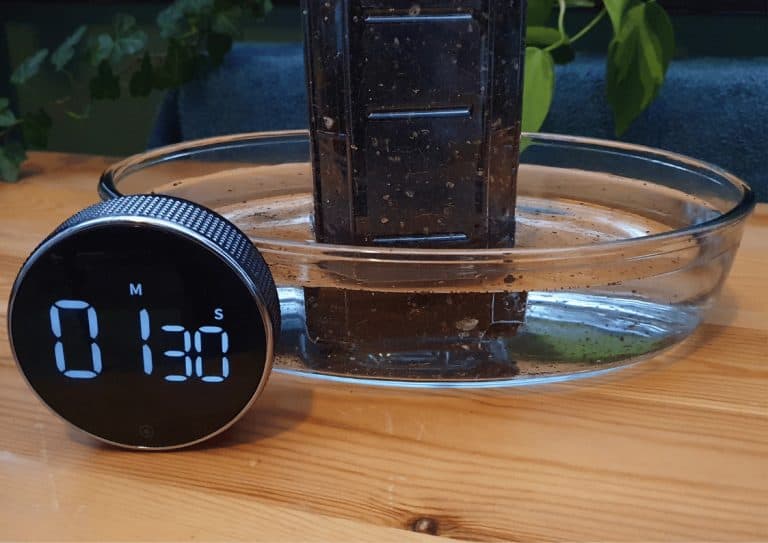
(589, 312)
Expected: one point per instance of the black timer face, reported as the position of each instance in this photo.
(140, 334)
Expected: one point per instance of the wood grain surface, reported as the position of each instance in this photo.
(675, 449)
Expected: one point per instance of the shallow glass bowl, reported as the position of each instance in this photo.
(621, 251)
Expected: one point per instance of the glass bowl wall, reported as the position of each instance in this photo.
(620, 252)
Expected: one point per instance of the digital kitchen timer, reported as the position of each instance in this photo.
(146, 321)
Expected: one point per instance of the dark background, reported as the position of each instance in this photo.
(674, 6)
(703, 28)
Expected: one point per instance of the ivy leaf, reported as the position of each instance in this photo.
(228, 21)
(128, 45)
(218, 45)
(539, 87)
(12, 154)
(638, 58)
(123, 23)
(541, 36)
(101, 49)
(7, 118)
(142, 81)
(195, 7)
(172, 20)
(128, 40)
(616, 10)
(35, 127)
(539, 12)
(29, 68)
(64, 52)
(661, 25)
(105, 85)
(169, 21)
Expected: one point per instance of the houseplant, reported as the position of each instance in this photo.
(195, 35)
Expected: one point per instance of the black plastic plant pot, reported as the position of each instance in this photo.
(415, 125)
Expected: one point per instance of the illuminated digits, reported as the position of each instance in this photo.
(175, 328)
(93, 332)
(223, 346)
(146, 352)
(204, 335)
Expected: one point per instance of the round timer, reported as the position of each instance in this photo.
(146, 321)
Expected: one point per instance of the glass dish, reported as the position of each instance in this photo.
(621, 250)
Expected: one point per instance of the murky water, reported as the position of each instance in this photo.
(563, 334)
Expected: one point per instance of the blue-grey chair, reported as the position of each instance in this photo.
(713, 109)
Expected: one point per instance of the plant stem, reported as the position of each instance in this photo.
(560, 26)
(561, 20)
(581, 33)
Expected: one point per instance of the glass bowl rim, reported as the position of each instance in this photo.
(654, 243)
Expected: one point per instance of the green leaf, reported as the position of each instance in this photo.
(195, 7)
(141, 83)
(105, 85)
(616, 10)
(29, 68)
(35, 128)
(66, 51)
(579, 3)
(539, 12)
(539, 87)
(123, 23)
(638, 58)
(12, 155)
(541, 36)
(228, 22)
(218, 45)
(101, 49)
(128, 45)
(172, 21)
(660, 24)
(7, 118)
(169, 21)
(127, 40)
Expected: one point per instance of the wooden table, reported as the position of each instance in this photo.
(677, 453)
